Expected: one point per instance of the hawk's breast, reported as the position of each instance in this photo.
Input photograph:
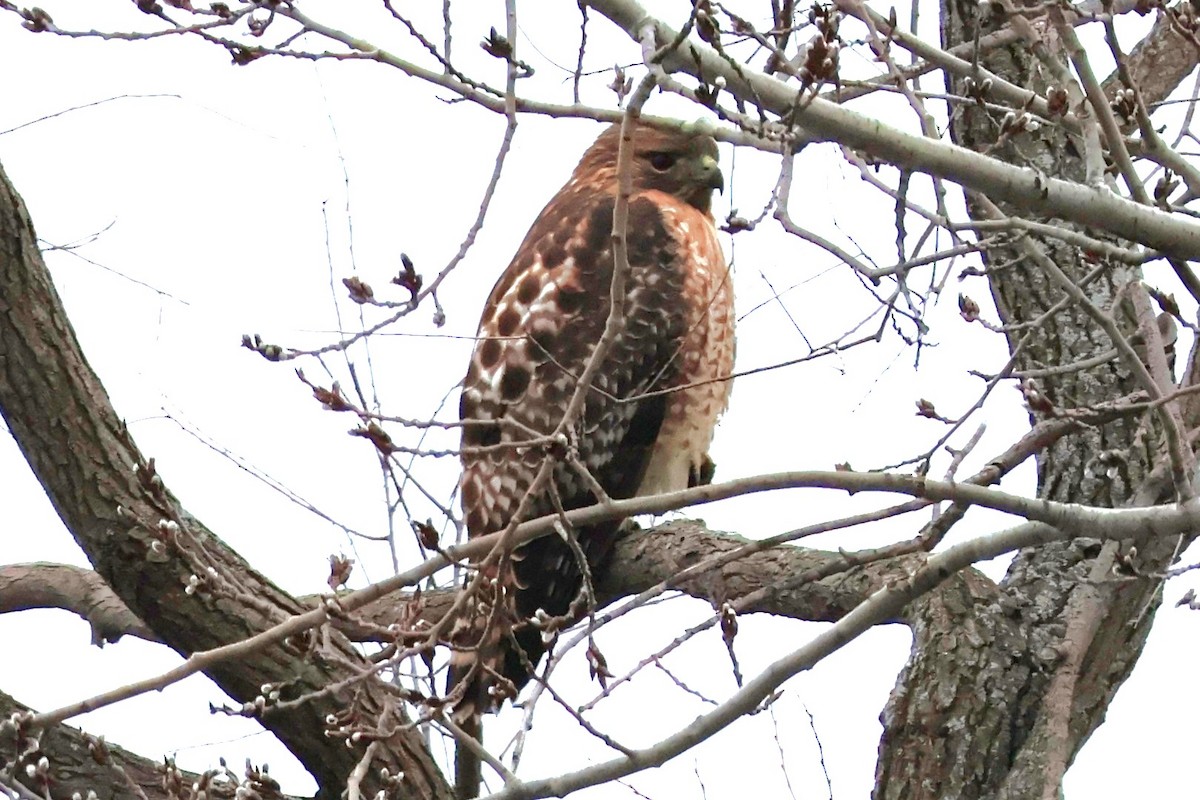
(704, 356)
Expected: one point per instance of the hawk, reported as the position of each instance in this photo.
(649, 412)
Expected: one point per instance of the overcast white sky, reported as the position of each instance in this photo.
(217, 201)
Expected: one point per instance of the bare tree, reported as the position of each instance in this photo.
(1071, 189)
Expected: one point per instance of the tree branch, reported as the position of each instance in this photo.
(81, 763)
(824, 120)
(146, 547)
(80, 591)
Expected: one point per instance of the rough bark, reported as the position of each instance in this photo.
(81, 763)
(1161, 60)
(783, 580)
(75, 770)
(801, 583)
(996, 669)
(969, 716)
(985, 658)
(145, 546)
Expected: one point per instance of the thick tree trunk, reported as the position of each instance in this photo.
(1004, 683)
(1000, 693)
(147, 548)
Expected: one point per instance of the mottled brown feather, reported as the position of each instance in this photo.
(541, 323)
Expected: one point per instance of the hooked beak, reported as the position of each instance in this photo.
(710, 174)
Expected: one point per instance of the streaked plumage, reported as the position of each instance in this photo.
(540, 325)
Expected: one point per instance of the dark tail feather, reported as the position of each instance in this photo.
(468, 771)
(496, 657)
(468, 715)
(470, 678)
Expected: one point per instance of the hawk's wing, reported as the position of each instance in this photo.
(540, 327)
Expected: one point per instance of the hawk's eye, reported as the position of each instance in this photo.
(661, 161)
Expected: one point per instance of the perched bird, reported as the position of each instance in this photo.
(649, 412)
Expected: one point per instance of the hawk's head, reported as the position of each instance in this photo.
(681, 164)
